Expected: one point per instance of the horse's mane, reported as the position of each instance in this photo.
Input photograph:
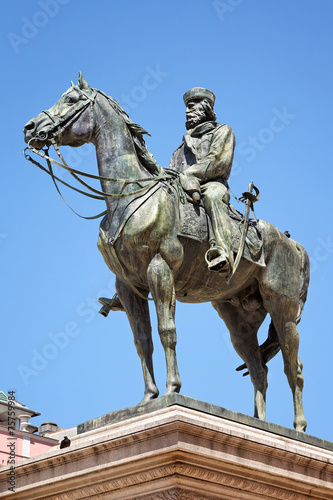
(137, 132)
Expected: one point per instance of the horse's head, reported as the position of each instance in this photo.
(69, 122)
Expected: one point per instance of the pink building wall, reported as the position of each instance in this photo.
(23, 445)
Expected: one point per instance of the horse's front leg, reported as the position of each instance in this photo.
(138, 315)
(161, 285)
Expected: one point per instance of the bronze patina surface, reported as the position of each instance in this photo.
(141, 243)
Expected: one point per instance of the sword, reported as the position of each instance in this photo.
(248, 198)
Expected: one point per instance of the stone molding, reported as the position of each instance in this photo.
(203, 407)
(176, 453)
(216, 484)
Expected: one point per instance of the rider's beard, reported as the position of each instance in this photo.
(194, 118)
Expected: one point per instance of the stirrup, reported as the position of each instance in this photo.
(112, 304)
(217, 259)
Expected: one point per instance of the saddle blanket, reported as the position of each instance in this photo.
(194, 225)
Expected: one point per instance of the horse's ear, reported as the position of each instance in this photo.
(83, 84)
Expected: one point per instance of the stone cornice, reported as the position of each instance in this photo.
(181, 400)
(184, 479)
(285, 457)
(175, 451)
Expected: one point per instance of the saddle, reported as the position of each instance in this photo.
(194, 225)
(194, 222)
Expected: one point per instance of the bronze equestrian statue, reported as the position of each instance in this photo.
(155, 241)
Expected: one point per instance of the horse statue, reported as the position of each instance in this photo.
(140, 242)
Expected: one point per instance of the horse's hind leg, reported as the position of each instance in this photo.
(293, 369)
(283, 288)
(138, 315)
(284, 319)
(161, 285)
(243, 326)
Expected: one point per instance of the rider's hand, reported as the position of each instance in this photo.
(191, 185)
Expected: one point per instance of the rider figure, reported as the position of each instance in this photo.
(204, 159)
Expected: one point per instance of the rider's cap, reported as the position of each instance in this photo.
(199, 93)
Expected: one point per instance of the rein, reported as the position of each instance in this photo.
(55, 129)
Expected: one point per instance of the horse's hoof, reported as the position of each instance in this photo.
(147, 398)
(301, 426)
(173, 388)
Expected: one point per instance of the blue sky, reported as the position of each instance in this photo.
(269, 64)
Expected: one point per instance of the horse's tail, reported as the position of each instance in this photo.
(271, 346)
(268, 349)
(304, 281)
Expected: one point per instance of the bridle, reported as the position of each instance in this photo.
(56, 129)
(58, 126)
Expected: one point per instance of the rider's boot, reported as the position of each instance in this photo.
(220, 257)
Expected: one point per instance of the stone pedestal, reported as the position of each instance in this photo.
(178, 448)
